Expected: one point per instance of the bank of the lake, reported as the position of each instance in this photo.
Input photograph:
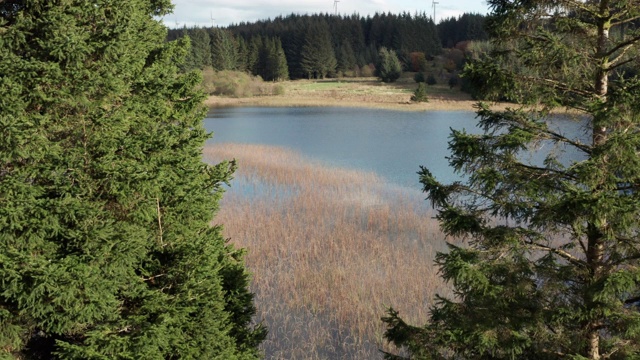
(359, 93)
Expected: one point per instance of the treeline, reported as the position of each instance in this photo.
(323, 45)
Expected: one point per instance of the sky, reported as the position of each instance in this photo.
(226, 12)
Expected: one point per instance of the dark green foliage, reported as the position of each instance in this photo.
(454, 81)
(275, 62)
(362, 36)
(420, 95)
(419, 77)
(346, 58)
(200, 47)
(463, 28)
(389, 68)
(225, 53)
(199, 55)
(106, 247)
(552, 269)
(268, 59)
(431, 80)
(318, 58)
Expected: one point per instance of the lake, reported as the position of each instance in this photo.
(393, 144)
(330, 249)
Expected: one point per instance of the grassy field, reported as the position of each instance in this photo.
(355, 92)
(330, 249)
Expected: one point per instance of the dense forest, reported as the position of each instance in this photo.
(323, 45)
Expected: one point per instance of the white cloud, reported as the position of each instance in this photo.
(225, 12)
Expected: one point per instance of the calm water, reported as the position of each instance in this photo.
(392, 144)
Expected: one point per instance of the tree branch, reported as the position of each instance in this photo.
(625, 21)
(632, 300)
(563, 254)
(535, 168)
(625, 45)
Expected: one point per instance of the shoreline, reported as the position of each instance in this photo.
(214, 102)
(366, 93)
(355, 93)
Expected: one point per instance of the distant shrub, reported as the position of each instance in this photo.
(367, 70)
(419, 77)
(420, 95)
(237, 84)
(431, 80)
(278, 89)
(418, 61)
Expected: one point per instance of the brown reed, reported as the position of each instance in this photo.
(329, 249)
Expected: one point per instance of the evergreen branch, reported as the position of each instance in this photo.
(632, 300)
(629, 187)
(615, 66)
(152, 278)
(580, 5)
(566, 140)
(558, 85)
(563, 254)
(558, 137)
(627, 259)
(159, 222)
(625, 21)
(625, 46)
(616, 347)
(539, 169)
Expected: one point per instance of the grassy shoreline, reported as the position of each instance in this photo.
(359, 92)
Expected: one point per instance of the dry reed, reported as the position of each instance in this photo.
(329, 250)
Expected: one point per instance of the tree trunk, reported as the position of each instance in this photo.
(595, 250)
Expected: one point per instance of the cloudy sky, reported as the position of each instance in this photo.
(225, 12)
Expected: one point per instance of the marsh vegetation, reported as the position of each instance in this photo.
(329, 250)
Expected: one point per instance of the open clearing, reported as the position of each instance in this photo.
(355, 92)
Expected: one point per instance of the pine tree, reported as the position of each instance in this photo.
(275, 61)
(389, 68)
(420, 94)
(346, 57)
(318, 57)
(106, 247)
(253, 57)
(553, 266)
(200, 47)
(224, 50)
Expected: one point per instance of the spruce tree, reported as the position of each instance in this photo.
(224, 50)
(200, 47)
(552, 270)
(318, 57)
(389, 68)
(346, 58)
(275, 61)
(106, 247)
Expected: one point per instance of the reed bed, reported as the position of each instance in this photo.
(329, 249)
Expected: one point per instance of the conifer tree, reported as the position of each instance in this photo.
(224, 50)
(275, 61)
(200, 47)
(318, 56)
(106, 247)
(346, 57)
(553, 266)
(389, 68)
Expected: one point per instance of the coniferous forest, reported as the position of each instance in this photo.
(323, 45)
